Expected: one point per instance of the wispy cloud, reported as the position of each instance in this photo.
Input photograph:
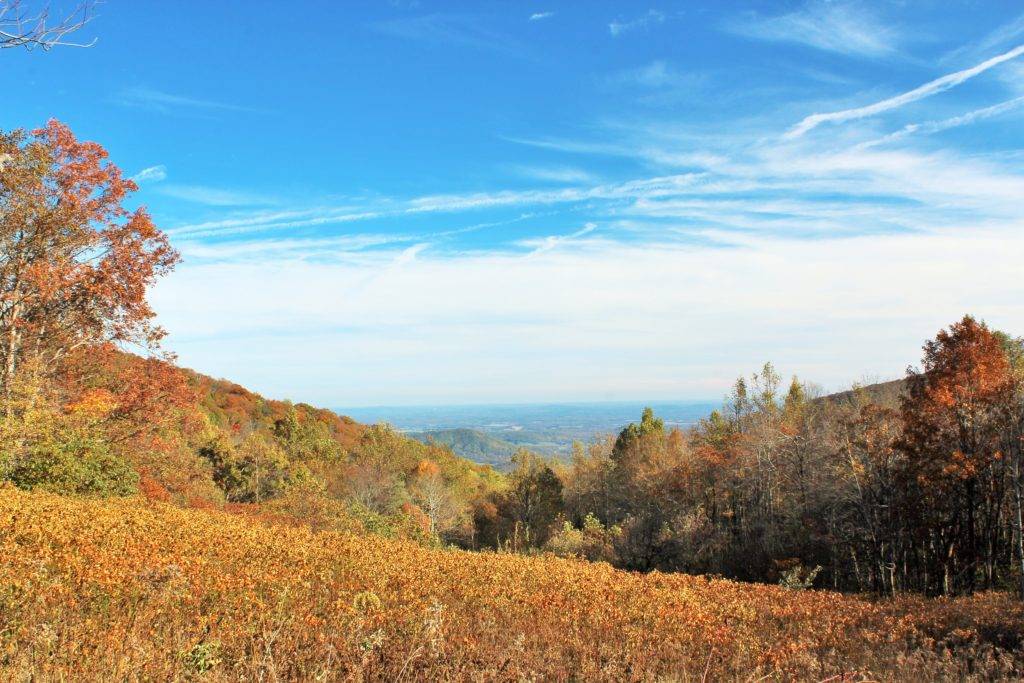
(266, 221)
(569, 145)
(537, 16)
(929, 127)
(656, 153)
(996, 39)
(657, 74)
(151, 174)
(831, 26)
(554, 174)
(539, 246)
(618, 27)
(449, 29)
(927, 90)
(214, 196)
(164, 102)
(408, 255)
(301, 249)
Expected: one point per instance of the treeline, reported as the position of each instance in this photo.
(917, 489)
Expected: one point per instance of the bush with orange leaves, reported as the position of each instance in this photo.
(128, 589)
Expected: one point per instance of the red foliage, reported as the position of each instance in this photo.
(953, 405)
(153, 490)
(77, 263)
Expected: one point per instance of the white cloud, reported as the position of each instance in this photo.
(554, 174)
(341, 248)
(539, 246)
(537, 16)
(928, 127)
(927, 90)
(617, 28)
(151, 174)
(598, 320)
(213, 196)
(835, 27)
(160, 101)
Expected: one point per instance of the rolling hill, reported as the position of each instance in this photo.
(471, 444)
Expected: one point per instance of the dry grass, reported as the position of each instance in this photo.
(130, 590)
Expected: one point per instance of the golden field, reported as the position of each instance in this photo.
(125, 589)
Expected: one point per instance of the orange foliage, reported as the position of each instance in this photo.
(427, 468)
(143, 395)
(152, 489)
(136, 590)
(965, 383)
(77, 262)
(418, 517)
(235, 408)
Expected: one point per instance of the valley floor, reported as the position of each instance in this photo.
(128, 589)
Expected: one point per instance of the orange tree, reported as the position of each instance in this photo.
(955, 476)
(75, 263)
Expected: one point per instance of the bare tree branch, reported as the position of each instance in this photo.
(23, 27)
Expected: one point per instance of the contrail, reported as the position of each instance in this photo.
(928, 89)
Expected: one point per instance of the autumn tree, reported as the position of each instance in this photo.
(431, 494)
(535, 498)
(870, 523)
(588, 486)
(955, 413)
(1013, 439)
(524, 514)
(75, 262)
(75, 266)
(48, 444)
(254, 470)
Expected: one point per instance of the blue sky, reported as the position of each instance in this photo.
(443, 202)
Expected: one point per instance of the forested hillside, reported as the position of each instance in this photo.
(472, 444)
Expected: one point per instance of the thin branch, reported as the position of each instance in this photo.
(20, 27)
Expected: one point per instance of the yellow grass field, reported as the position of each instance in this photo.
(131, 590)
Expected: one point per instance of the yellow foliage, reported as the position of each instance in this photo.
(93, 405)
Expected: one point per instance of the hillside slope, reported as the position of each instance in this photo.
(882, 393)
(231, 406)
(471, 444)
(125, 589)
(221, 444)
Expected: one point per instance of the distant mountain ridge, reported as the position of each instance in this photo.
(883, 393)
(471, 444)
(492, 433)
(495, 448)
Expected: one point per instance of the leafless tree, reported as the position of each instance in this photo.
(22, 26)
